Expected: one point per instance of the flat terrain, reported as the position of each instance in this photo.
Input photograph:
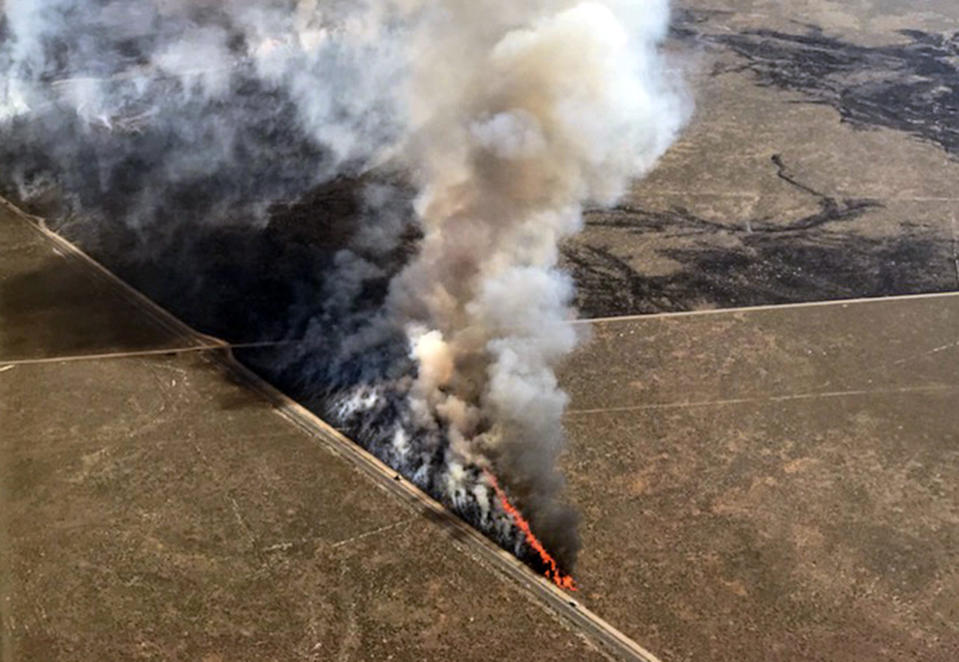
(764, 484)
(821, 163)
(152, 508)
(775, 484)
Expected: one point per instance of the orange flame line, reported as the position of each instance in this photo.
(552, 570)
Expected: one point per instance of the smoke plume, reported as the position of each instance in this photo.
(477, 131)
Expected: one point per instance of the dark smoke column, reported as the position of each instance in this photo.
(505, 116)
(517, 114)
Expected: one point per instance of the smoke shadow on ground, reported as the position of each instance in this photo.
(53, 306)
(243, 283)
(246, 282)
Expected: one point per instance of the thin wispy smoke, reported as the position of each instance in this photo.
(495, 122)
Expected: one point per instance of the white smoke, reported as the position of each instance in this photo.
(506, 117)
(518, 114)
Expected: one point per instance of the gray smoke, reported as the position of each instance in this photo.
(489, 125)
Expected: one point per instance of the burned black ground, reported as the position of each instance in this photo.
(207, 252)
(759, 261)
(911, 87)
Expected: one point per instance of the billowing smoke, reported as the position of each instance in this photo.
(477, 130)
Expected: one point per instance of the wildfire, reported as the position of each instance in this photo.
(552, 570)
